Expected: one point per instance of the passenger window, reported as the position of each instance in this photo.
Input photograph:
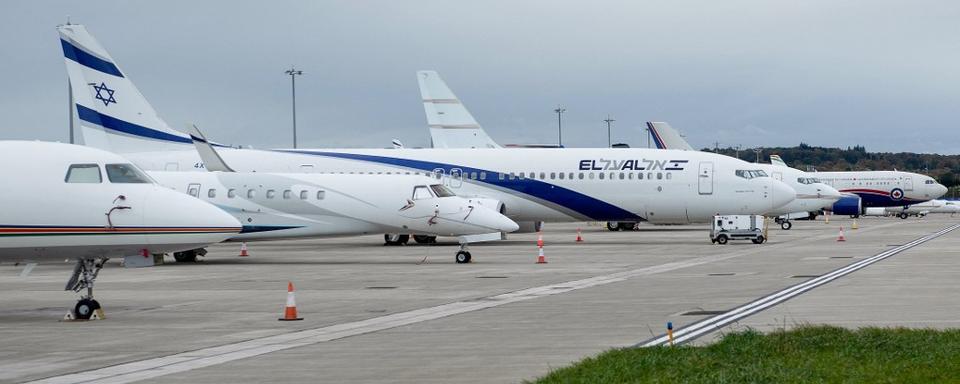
(303, 195)
(512, 176)
(601, 175)
(421, 192)
(83, 173)
(271, 193)
(630, 176)
(668, 175)
(251, 193)
(543, 176)
(193, 191)
(659, 175)
(553, 175)
(212, 193)
(591, 175)
(639, 175)
(321, 195)
(501, 175)
(571, 176)
(231, 193)
(286, 194)
(483, 175)
(126, 174)
(580, 176)
(473, 175)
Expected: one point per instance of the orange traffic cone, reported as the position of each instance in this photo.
(579, 238)
(539, 239)
(841, 238)
(290, 311)
(541, 259)
(243, 250)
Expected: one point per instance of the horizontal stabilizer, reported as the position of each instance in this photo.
(451, 124)
(665, 137)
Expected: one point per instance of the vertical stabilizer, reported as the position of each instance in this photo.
(665, 137)
(211, 159)
(776, 160)
(451, 125)
(112, 113)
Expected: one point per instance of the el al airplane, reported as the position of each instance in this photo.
(295, 205)
(874, 188)
(532, 185)
(76, 202)
(452, 126)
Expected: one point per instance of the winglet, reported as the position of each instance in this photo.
(451, 124)
(776, 160)
(665, 137)
(211, 159)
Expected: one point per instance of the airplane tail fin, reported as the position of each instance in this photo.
(665, 137)
(451, 125)
(211, 159)
(112, 113)
(776, 160)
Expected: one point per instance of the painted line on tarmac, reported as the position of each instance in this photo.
(206, 357)
(709, 325)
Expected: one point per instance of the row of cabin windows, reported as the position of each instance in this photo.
(252, 193)
(586, 175)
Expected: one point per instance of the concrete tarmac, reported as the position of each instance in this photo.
(410, 314)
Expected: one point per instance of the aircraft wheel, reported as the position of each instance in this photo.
(185, 256)
(903, 216)
(786, 225)
(722, 239)
(758, 240)
(613, 226)
(84, 308)
(395, 239)
(627, 226)
(425, 239)
(463, 257)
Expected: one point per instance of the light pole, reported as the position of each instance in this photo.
(293, 72)
(560, 110)
(608, 120)
(758, 150)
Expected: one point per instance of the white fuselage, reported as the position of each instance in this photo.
(884, 188)
(659, 186)
(49, 214)
(812, 196)
(287, 205)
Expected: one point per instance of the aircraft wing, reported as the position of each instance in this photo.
(451, 124)
(211, 159)
(665, 137)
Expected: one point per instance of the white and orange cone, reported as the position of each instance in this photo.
(541, 259)
(243, 250)
(540, 239)
(579, 237)
(290, 311)
(842, 237)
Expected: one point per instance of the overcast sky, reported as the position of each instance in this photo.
(755, 73)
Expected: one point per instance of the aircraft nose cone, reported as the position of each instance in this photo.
(940, 190)
(828, 192)
(781, 194)
(493, 219)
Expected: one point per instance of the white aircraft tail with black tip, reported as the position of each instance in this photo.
(776, 160)
(112, 113)
(211, 159)
(451, 124)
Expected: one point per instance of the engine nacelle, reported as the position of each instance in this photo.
(875, 211)
(529, 226)
(848, 205)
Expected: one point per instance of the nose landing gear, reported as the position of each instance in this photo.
(84, 275)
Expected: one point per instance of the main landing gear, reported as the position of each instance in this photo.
(784, 223)
(84, 275)
(463, 255)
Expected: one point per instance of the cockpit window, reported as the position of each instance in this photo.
(807, 180)
(750, 173)
(83, 173)
(421, 192)
(442, 191)
(929, 182)
(126, 174)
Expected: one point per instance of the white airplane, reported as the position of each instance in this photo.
(874, 188)
(533, 185)
(75, 202)
(444, 110)
(918, 210)
(294, 205)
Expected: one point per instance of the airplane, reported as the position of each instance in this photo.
(530, 185)
(873, 188)
(918, 210)
(444, 110)
(76, 202)
(275, 206)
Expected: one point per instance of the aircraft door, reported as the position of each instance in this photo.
(908, 183)
(193, 189)
(705, 178)
(778, 176)
(456, 178)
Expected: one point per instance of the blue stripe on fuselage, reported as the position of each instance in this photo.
(84, 58)
(585, 205)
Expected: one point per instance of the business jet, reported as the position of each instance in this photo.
(75, 202)
(530, 185)
(275, 206)
(918, 210)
